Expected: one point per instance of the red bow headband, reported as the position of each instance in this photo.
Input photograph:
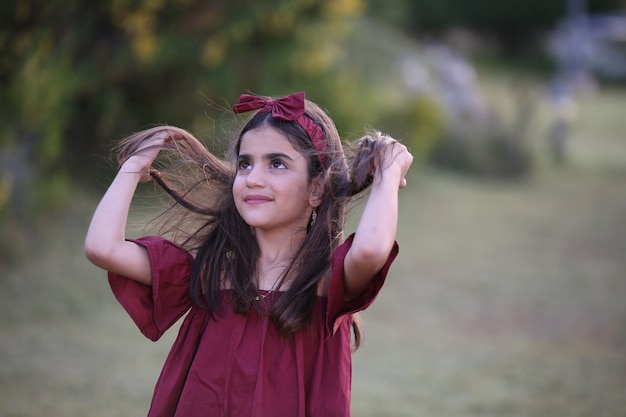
(290, 108)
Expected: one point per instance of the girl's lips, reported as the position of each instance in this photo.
(256, 199)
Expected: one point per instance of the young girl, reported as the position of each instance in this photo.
(260, 265)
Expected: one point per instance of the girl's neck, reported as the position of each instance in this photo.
(278, 247)
(277, 253)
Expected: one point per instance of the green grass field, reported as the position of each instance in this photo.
(507, 299)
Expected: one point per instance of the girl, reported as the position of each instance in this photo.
(260, 264)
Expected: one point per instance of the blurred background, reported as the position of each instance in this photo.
(509, 295)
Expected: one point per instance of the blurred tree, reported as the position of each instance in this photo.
(77, 74)
(511, 21)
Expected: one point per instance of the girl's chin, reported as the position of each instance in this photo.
(255, 221)
(269, 226)
(258, 224)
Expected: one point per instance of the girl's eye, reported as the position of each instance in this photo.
(277, 163)
(243, 164)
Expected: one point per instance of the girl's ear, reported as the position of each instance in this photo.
(317, 191)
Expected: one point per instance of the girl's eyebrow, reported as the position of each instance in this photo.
(280, 155)
(268, 156)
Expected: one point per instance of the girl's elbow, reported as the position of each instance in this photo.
(374, 250)
(372, 257)
(96, 253)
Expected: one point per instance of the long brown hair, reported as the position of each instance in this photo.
(204, 218)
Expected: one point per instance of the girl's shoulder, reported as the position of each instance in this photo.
(163, 251)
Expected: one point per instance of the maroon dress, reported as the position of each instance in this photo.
(238, 365)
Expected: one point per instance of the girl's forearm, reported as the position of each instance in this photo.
(374, 236)
(376, 230)
(107, 228)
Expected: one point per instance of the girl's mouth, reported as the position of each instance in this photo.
(256, 199)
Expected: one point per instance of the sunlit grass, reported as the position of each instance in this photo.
(504, 301)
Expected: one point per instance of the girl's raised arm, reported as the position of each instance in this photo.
(105, 244)
(376, 231)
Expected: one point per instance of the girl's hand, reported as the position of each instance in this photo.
(142, 159)
(395, 161)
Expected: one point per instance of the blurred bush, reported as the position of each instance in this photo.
(77, 75)
(496, 146)
(419, 123)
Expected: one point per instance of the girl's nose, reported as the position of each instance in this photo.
(255, 177)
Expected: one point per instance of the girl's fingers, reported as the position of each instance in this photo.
(158, 139)
(167, 136)
(150, 150)
(151, 147)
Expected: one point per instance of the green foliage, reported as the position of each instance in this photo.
(77, 75)
(512, 22)
(418, 123)
(487, 14)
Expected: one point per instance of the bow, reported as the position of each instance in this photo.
(289, 108)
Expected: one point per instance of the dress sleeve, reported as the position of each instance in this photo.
(155, 308)
(338, 306)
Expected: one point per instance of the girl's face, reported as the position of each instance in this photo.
(271, 188)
